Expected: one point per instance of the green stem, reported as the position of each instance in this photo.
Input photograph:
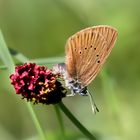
(5, 55)
(36, 122)
(9, 63)
(60, 120)
(76, 122)
(40, 61)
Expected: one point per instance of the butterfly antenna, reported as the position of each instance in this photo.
(92, 102)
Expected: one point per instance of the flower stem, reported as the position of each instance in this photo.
(76, 122)
(36, 122)
(60, 120)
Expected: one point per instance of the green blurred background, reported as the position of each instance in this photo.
(39, 29)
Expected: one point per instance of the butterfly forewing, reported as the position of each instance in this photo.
(87, 50)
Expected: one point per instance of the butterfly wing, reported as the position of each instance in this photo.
(87, 50)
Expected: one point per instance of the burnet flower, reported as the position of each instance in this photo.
(37, 83)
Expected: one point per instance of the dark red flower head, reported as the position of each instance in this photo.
(37, 84)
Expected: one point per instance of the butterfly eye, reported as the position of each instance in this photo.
(85, 48)
(97, 55)
(91, 46)
(94, 48)
(80, 52)
(98, 61)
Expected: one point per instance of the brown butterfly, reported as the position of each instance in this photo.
(86, 52)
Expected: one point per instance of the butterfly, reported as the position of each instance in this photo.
(86, 52)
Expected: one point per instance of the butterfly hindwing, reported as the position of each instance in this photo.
(87, 50)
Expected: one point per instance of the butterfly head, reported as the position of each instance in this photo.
(76, 87)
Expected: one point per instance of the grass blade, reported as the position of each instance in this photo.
(5, 55)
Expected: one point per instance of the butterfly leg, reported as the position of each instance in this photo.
(93, 104)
